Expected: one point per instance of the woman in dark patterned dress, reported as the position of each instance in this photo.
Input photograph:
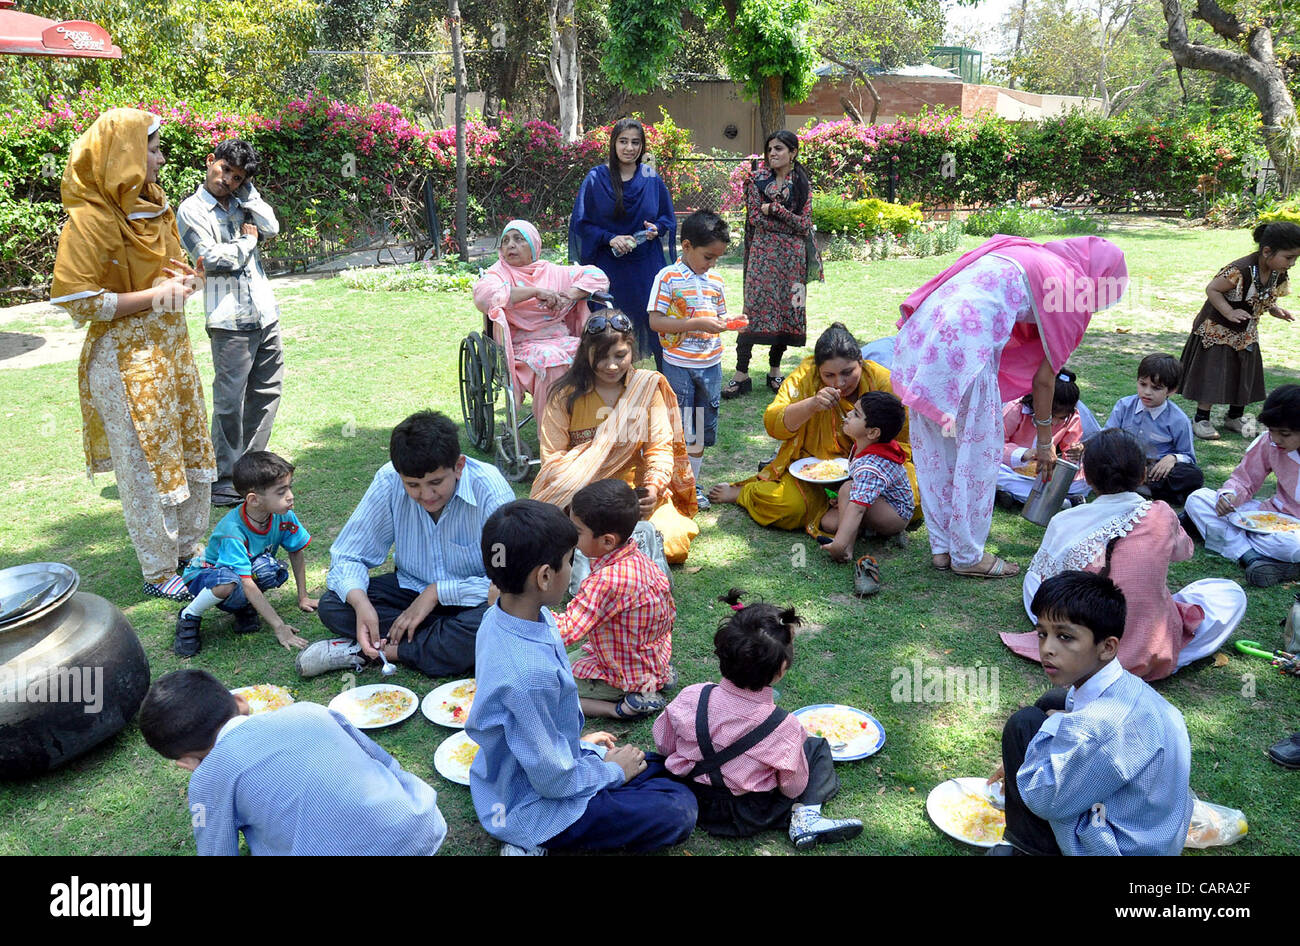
(1221, 360)
(778, 200)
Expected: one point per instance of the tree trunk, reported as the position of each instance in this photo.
(462, 176)
(563, 66)
(851, 110)
(771, 105)
(856, 71)
(1257, 68)
(1020, 32)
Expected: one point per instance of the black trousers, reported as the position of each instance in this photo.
(725, 815)
(443, 644)
(1026, 832)
(1183, 480)
(745, 350)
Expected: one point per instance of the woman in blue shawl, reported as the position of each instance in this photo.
(616, 201)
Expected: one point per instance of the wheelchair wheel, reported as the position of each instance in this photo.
(476, 394)
(513, 457)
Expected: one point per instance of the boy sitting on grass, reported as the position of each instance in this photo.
(876, 472)
(624, 608)
(1101, 767)
(300, 780)
(239, 562)
(537, 785)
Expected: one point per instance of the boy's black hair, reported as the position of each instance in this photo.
(754, 642)
(704, 228)
(183, 712)
(607, 507)
(1160, 369)
(1065, 395)
(884, 410)
(522, 535)
(1278, 235)
(836, 342)
(1114, 461)
(258, 470)
(423, 443)
(238, 153)
(1282, 407)
(1084, 599)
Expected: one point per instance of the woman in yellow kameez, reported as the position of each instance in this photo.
(605, 419)
(119, 270)
(806, 417)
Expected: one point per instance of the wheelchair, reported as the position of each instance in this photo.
(487, 371)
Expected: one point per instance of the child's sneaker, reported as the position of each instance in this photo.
(187, 642)
(701, 500)
(808, 826)
(1264, 572)
(340, 653)
(247, 620)
(634, 705)
(514, 850)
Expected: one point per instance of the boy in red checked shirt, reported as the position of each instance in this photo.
(624, 608)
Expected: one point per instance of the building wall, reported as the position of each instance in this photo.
(708, 106)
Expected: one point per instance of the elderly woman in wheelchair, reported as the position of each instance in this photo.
(534, 312)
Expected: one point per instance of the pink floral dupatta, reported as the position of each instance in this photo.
(1068, 281)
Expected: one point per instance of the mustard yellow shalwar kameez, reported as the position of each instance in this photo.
(775, 497)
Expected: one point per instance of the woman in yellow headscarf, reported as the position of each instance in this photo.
(120, 271)
(806, 416)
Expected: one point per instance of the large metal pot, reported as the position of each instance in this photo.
(72, 673)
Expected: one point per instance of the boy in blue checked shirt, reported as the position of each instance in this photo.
(239, 562)
(1172, 473)
(537, 784)
(301, 780)
(1101, 767)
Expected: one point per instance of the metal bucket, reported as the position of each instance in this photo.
(1046, 497)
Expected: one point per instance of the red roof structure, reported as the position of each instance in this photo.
(22, 34)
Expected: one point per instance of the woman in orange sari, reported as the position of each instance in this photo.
(605, 419)
(119, 271)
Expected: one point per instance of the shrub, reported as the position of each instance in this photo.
(1289, 212)
(1012, 220)
(833, 214)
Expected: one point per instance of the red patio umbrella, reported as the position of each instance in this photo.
(23, 34)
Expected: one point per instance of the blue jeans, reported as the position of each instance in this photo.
(268, 572)
(699, 392)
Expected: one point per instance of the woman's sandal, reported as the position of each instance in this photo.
(998, 568)
(866, 576)
(734, 389)
(774, 382)
(815, 533)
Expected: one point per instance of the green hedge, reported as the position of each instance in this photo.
(831, 213)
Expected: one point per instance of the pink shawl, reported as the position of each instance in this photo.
(1069, 280)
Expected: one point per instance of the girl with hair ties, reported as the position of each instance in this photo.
(616, 201)
(778, 201)
(1132, 541)
(119, 272)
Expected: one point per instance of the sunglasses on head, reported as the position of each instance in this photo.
(599, 323)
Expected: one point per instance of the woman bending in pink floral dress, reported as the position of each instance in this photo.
(996, 325)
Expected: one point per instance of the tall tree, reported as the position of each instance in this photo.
(1250, 29)
(564, 70)
(767, 47)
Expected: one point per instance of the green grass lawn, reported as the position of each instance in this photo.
(359, 362)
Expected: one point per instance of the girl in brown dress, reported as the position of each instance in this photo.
(1221, 360)
(778, 200)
